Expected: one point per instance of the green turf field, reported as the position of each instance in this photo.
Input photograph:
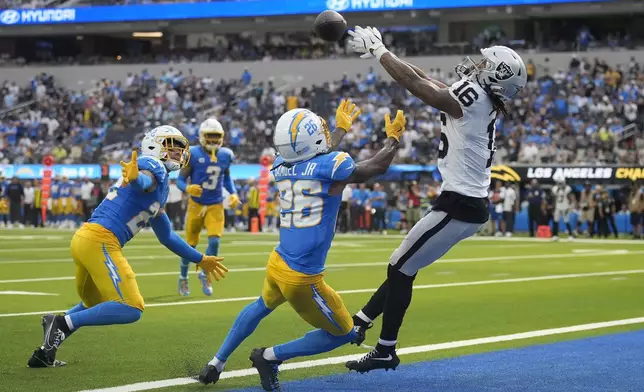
(482, 288)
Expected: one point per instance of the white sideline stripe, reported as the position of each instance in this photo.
(24, 293)
(354, 265)
(359, 291)
(144, 386)
(336, 246)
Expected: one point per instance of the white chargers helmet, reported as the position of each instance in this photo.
(211, 134)
(301, 134)
(501, 71)
(168, 145)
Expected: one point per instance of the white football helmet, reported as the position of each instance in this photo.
(501, 70)
(559, 178)
(168, 145)
(211, 134)
(301, 134)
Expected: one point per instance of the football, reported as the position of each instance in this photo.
(330, 26)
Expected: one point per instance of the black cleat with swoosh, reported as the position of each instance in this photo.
(375, 360)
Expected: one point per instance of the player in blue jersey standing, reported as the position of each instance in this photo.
(209, 172)
(310, 178)
(105, 282)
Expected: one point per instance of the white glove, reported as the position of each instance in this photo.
(368, 42)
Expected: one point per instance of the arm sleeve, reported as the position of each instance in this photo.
(229, 184)
(142, 182)
(182, 182)
(171, 240)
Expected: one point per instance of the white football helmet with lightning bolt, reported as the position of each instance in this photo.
(301, 134)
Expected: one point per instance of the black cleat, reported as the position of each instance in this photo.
(56, 331)
(209, 375)
(268, 370)
(375, 360)
(42, 359)
(361, 327)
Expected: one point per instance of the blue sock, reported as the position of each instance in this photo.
(213, 246)
(106, 313)
(76, 309)
(183, 267)
(246, 322)
(314, 342)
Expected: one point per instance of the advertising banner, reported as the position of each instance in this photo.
(609, 174)
(231, 9)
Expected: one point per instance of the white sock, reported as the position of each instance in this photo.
(387, 342)
(269, 354)
(219, 365)
(364, 317)
(70, 325)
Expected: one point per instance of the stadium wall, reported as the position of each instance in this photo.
(305, 72)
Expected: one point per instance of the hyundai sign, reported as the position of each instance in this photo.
(232, 9)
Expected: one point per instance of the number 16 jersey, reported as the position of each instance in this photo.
(467, 144)
(308, 211)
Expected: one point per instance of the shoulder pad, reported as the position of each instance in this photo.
(277, 162)
(338, 165)
(153, 165)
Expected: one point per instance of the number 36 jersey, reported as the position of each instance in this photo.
(124, 211)
(467, 144)
(307, 210)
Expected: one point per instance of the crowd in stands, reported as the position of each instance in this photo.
(587, 114)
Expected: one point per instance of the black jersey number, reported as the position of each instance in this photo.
(444, 144)
(490, 141)
(466, 94)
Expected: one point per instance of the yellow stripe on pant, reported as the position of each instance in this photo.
(102, 273)
(309, 295)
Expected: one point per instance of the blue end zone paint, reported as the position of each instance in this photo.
(602, 364)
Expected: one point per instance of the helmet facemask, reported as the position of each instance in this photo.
(175, 151)
(212, 139)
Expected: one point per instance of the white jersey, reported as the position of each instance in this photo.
(561, 194)
(467, 144)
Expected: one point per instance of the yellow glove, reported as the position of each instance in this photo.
(194, 190)
(3, 204)
(395, 129)
(130, 170)
(346, 114)
(213, 268)
(234, 201)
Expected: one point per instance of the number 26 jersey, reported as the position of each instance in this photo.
(125, 211)
(307, 210)
(467, 146)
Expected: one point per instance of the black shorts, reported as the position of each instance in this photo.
(636, 218)
(464, 208)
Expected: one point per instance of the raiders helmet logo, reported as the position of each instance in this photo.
(503, 72)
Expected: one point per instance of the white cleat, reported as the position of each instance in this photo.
(555, 238)
(571, 238)
(206, 286)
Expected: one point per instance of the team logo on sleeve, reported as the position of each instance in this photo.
(503, 71)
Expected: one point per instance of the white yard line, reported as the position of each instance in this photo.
(354, 265)
(25, 293)
(360, 291)
(336, 246)
(145, 386)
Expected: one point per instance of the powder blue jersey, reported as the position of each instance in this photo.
(209, 173)
(65, 189)
(125, 211)
(307, 211)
